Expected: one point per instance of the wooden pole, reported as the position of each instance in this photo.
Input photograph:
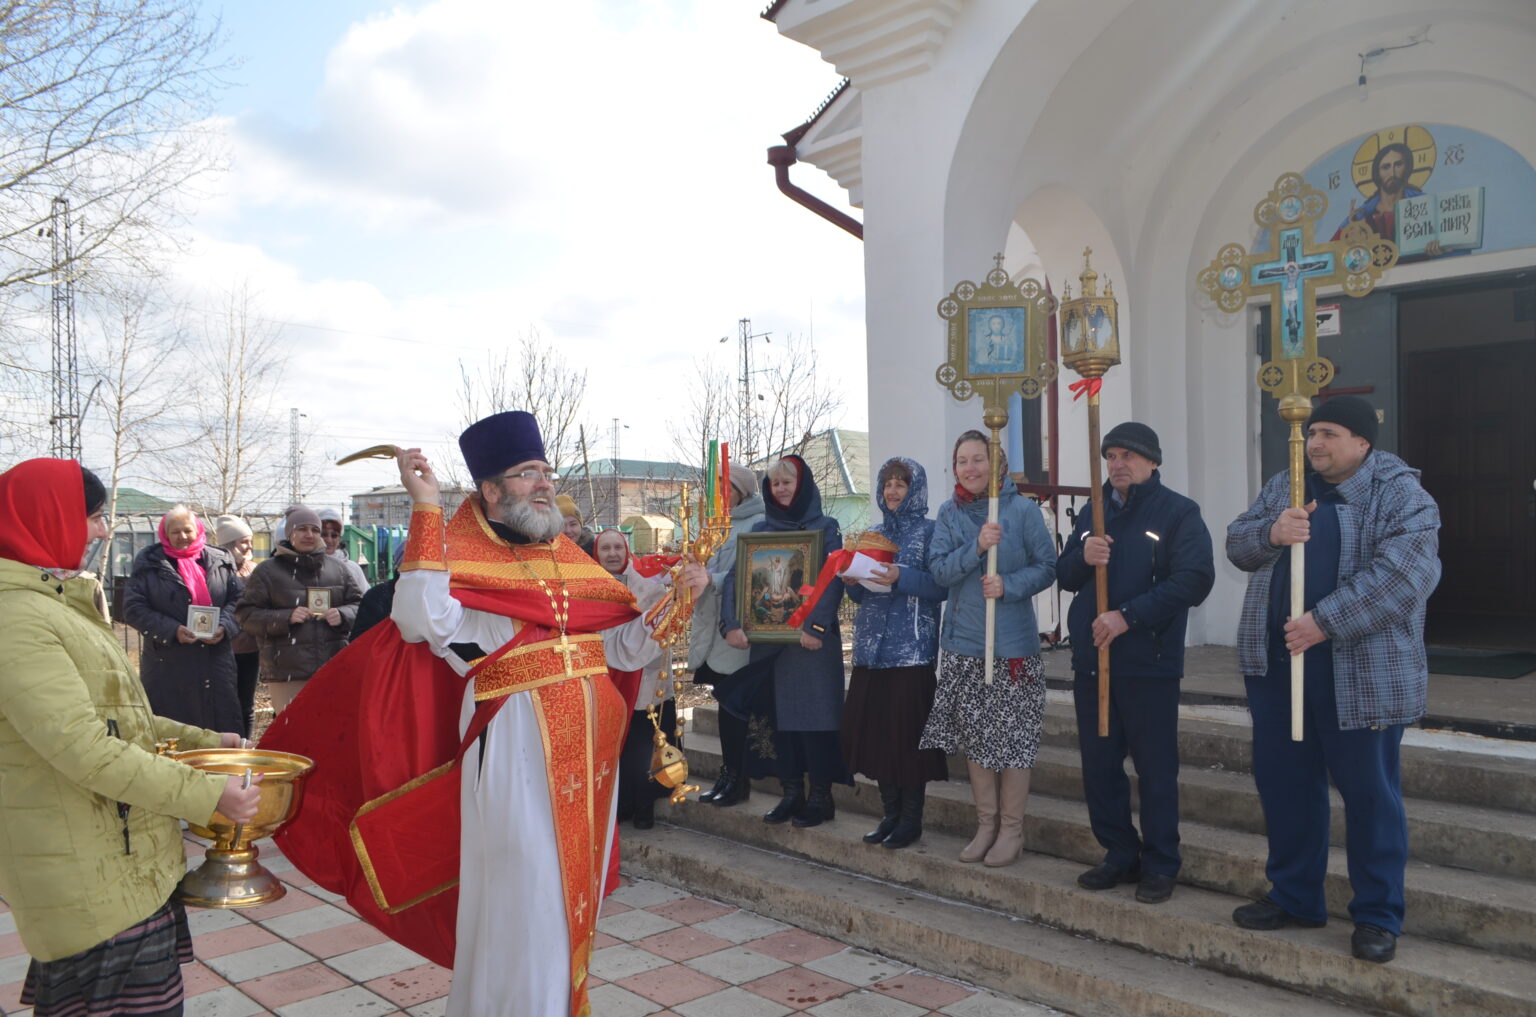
(1296, 408)
(994, 492)
(1100, 572)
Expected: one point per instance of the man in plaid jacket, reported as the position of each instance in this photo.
(1371, 537)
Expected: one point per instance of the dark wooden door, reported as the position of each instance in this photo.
(1469, 423)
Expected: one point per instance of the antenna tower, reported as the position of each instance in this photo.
(65, 418)
(747, 410)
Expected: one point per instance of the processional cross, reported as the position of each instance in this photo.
(1290, 277)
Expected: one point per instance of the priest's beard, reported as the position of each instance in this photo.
(522, 516)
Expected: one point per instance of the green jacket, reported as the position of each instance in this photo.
(76, 739)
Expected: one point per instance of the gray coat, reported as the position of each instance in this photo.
(294, 652)
(190, 682)
(705, 644)
(1389, 530)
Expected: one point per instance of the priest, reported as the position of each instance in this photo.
(497, 622)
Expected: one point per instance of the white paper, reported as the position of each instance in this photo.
(864, 569)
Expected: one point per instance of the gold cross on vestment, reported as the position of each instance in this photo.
(602, 774)
(565, 648)
(572, 785)
(581, 908)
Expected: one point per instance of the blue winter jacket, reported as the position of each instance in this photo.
(1026, 559)
(1160, 566)
(901, 628)
(1389, 533)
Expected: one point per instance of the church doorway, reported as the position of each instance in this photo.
(1468, 421)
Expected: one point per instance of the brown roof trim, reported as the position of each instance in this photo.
(772, 10)
(792, 137)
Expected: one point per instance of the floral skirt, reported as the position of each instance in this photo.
(996, 726)
(135, 973)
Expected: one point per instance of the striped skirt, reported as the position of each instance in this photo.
(136, 973)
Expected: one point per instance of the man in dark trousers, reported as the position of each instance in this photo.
(1158, 553)
(1371, 534)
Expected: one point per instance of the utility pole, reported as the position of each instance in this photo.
(294, 456)
(747, 409)
(65, 416)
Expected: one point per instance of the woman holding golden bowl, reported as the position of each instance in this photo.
(92, 850)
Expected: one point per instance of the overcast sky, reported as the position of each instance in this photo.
(412, 184)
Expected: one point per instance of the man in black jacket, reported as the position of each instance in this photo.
(1158, 554)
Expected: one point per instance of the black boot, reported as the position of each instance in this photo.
(791, 804)
(738, 790)
(725, 778)
(890, 797)
(910, 827)
(819, 807)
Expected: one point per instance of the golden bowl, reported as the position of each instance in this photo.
(230, 876)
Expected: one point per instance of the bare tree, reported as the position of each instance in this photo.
(135, 353)
(102, 103)
(537, 378)
(798, 402)
(240, 461)
(709, 413)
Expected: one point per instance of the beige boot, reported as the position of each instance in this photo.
(1012, 795)
(984, 791)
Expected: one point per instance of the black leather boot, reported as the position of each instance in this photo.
(910, 827)
(890, 798)
(725, 778)
(819, 807)
(791, 805)
(734, 793)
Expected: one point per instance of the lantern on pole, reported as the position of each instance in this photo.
(1090, 345)
(995, 346)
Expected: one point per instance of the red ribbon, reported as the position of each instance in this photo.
(653, 565)
(837, 562)
(1085, 386)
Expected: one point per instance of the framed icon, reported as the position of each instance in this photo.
(771, 568)
(202, 620)
(319, 600)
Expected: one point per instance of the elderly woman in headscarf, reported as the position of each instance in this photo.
(650, 686)
(92, 849)
(190, 677)
(895, 644)
(997, 725)
(234, 536)
(804, 687)
(709, 655)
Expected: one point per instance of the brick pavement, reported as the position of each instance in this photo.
(659, 951)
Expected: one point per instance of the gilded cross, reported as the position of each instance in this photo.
(1290, 276)
(572, 785)
(581, 908)
(565, 648)
(602, 774)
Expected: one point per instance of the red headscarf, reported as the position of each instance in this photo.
(189, 560)
(622, 536)
(42, 513)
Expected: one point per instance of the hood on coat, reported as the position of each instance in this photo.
(913, 507)
(749, 507)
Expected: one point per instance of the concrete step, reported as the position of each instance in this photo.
(1435, 770)
(1430, 978)
(986, 947)
(1482, 911)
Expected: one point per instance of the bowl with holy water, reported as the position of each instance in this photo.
(230, 876)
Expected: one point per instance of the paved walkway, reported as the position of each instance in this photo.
(659, 951)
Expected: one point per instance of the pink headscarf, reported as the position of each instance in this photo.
(188, 561)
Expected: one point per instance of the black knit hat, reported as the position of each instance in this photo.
(1133, 437)
(1348, 411)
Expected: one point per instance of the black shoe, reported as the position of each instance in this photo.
(1155, 887)
(1373, 943)
(890, 798)
(1264, 914)
(791, 805)
(645, 814)
(1106, 875)
(819, 807)
(734, 793)
(726, 778)
(910, 827)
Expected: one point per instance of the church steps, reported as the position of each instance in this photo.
(1454, 905)
(985, 947)
(1430, 978)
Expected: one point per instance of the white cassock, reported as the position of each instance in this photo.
(512, 957)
